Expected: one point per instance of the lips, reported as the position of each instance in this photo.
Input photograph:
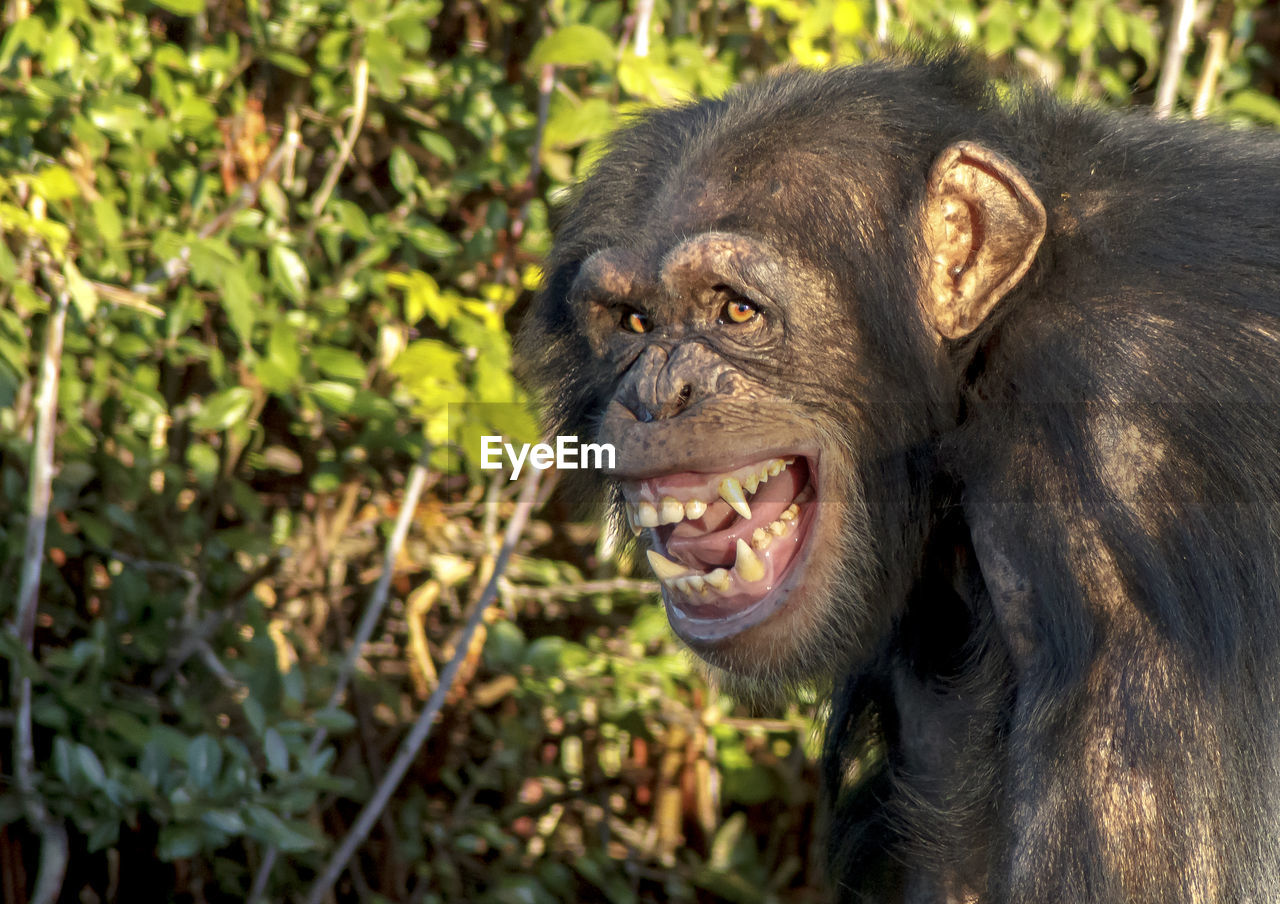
(723, 544)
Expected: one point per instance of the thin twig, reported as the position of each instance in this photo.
(572, 591)
(644, 16)
(1175, 55)
(421, 729)
(1209, 77)
(368, 621)
(359, 100)
(53, 836)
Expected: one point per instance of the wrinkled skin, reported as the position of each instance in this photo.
(966, 411)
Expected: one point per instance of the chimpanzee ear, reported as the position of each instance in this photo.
(983, 224)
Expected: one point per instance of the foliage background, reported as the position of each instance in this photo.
(282, 246)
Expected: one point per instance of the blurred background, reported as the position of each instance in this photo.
(259, 267)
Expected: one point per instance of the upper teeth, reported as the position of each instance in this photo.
(669, 510)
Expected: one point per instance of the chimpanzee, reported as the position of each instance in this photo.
(965, 403)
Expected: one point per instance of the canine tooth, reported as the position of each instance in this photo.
(718, 579)
(694, 509)
(775, 467)
(760, 539)
(664, 568)
(748, 564)
(731, 492)
(792, 512)
(777, 528)
(672, 511)
(646, 515)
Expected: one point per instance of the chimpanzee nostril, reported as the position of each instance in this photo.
(682, 399)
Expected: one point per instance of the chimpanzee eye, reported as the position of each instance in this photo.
(739, 310)
(634, 321)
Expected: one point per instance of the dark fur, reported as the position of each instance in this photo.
(1076, 696)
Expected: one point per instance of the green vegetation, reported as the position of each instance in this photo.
(255, 262)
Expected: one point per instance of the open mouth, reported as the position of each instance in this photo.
(725, 544)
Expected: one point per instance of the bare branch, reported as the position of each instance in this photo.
(1175, 55)
(421, 729)
(53, 836)
(359, 102)
(368, 621)
(1208, 85)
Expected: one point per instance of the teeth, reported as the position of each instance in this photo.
(760, 538)
(748, 565)
(692, 582)
(792, 512)
(731, 492)
(777, 528)
(718, 579)
(646, 514)
(664, 568)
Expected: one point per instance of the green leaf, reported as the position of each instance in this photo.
(226, 821)
(1117, 29)
(182, 7)
(1256, 105)
(289, 62)
(224, 409)
(335, 720)
(337, 397)
(437, 144)
(570, 124)
(107, 219)
(1143, 41)
(277, 752)
(83, 295)
(178, 842)
(431, 240)
(55, 183)
(291, 837)
(280, 369)
(1000, 28)
(403, 170)
(339, 363)
(90, 766)
(428, 357)
(240, 303)
(21, 40)
(204, 760)
(1046, 26)
(574, 45)
(288, 272)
